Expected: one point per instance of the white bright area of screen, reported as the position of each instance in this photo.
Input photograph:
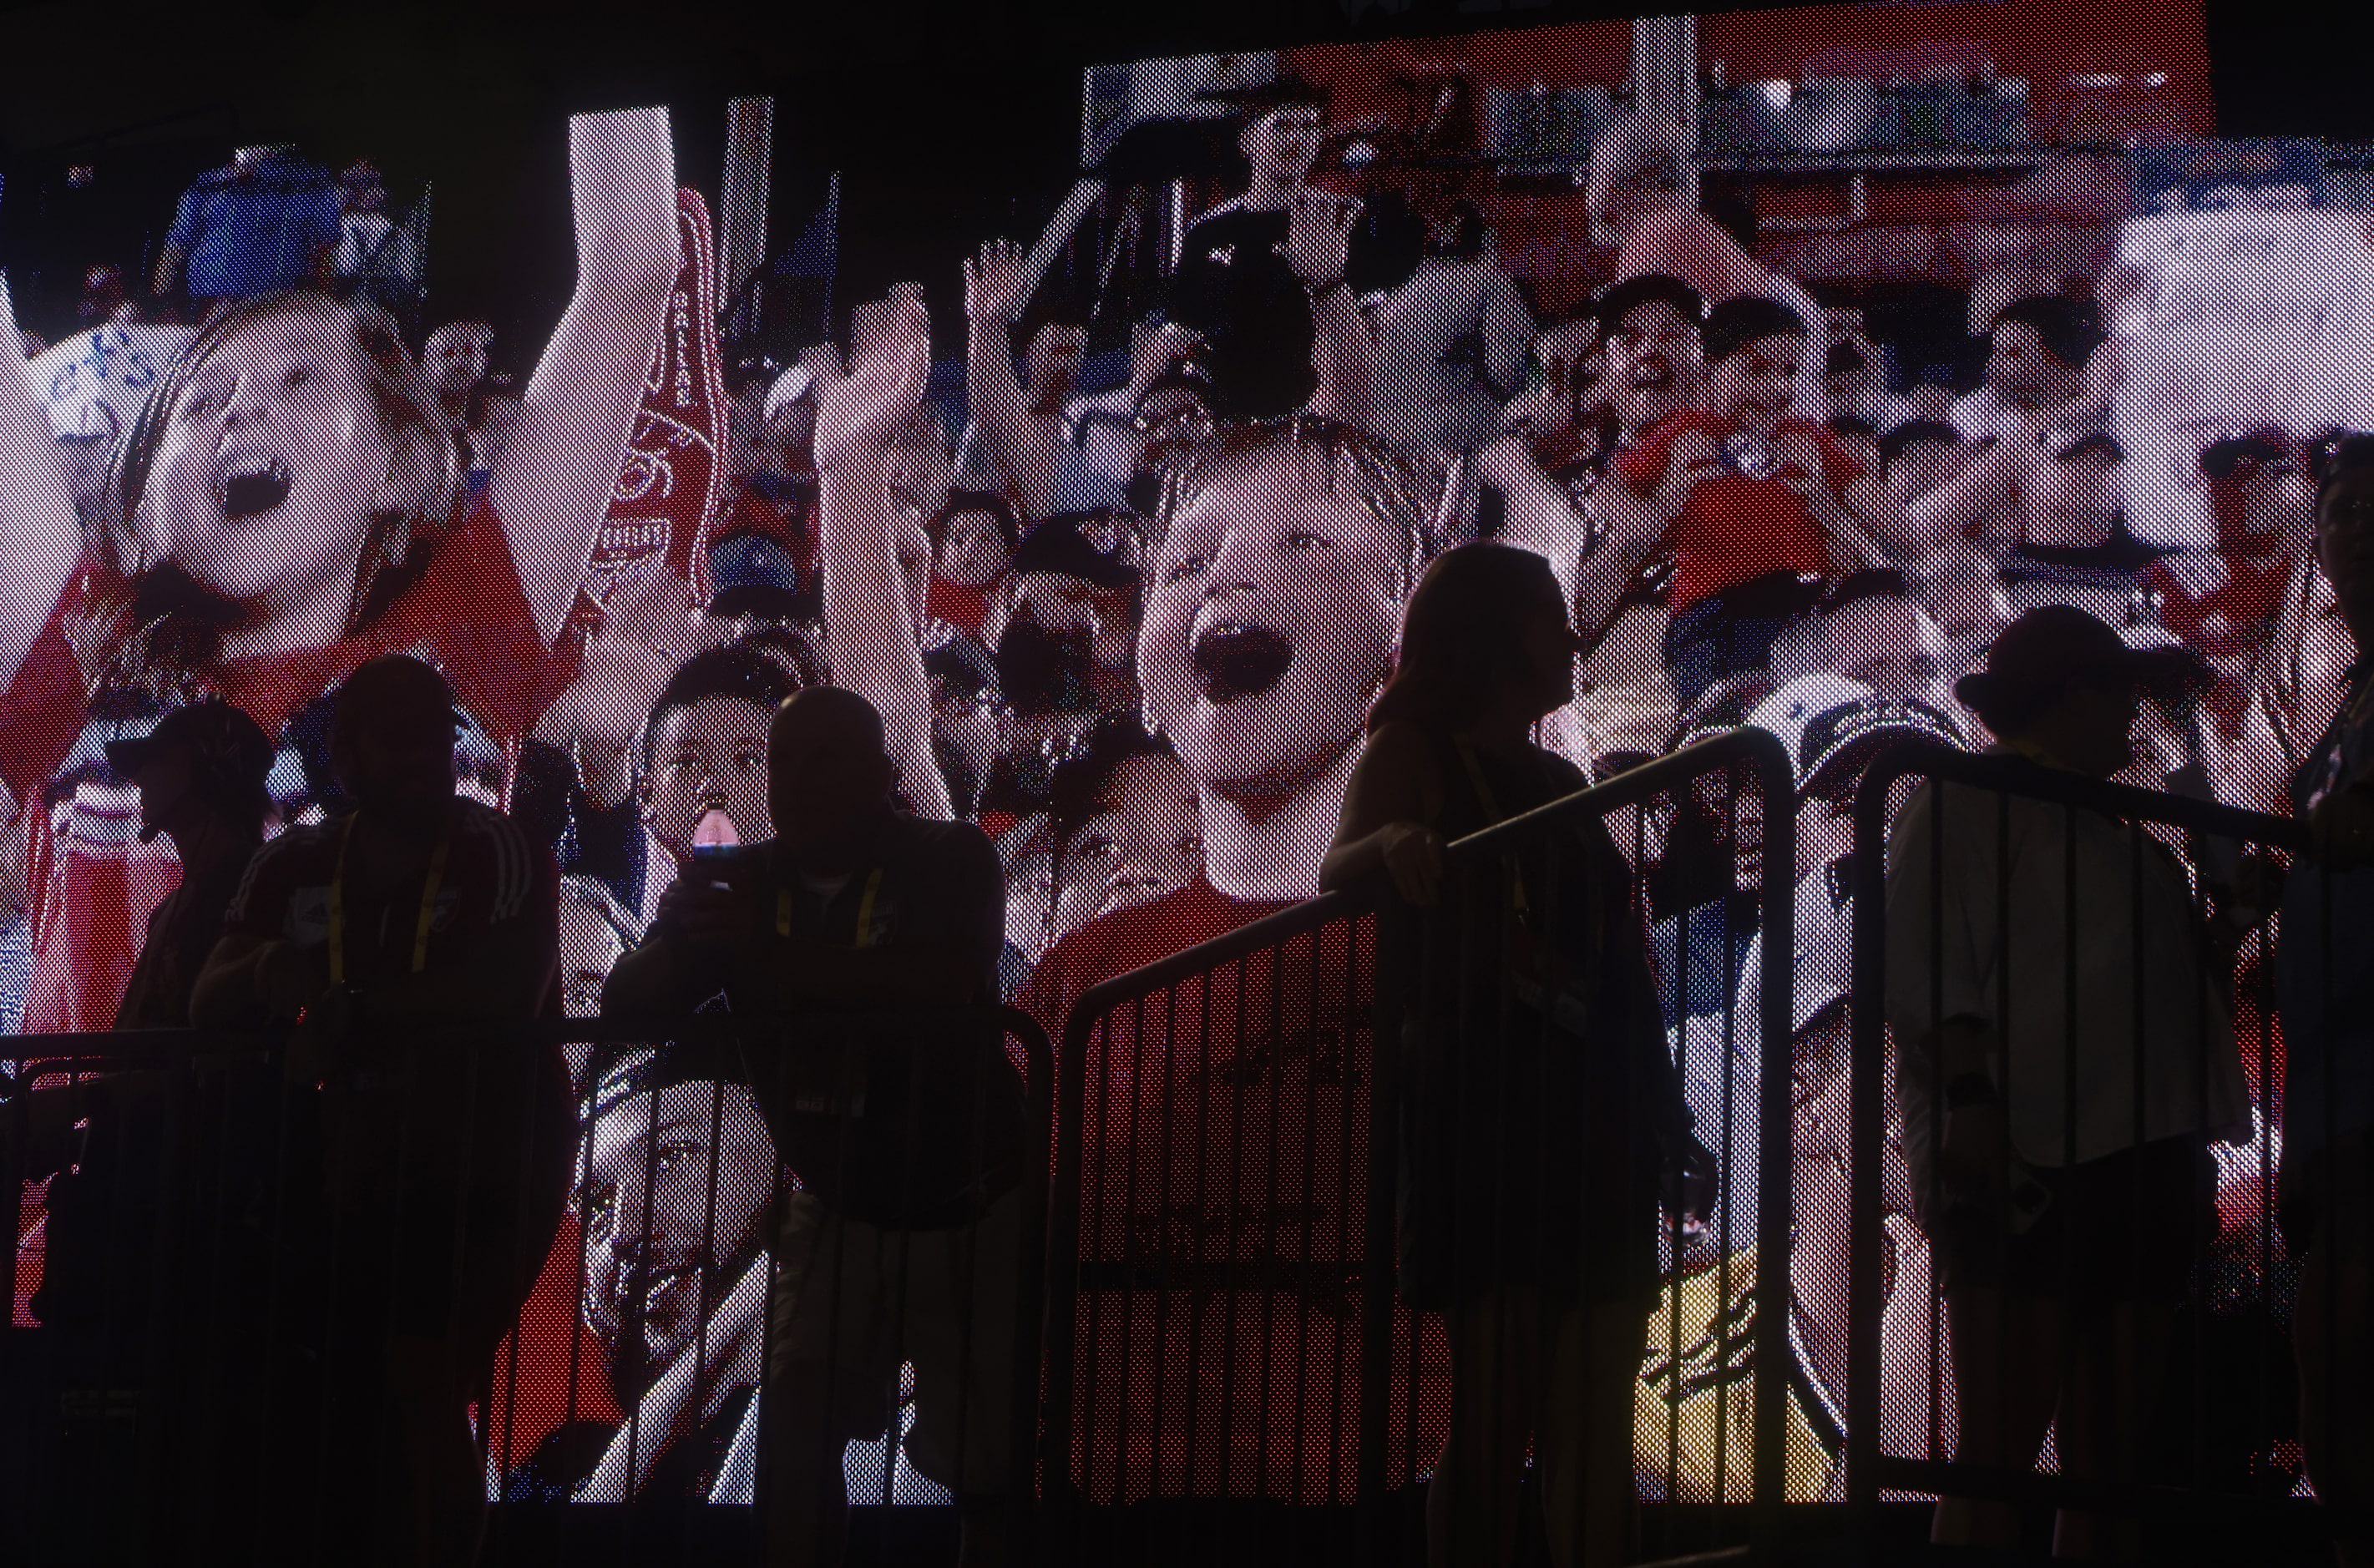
(2244, 318)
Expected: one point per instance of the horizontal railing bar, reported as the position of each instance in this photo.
(158, 1045)
(1895, 1474)
(2017, 776)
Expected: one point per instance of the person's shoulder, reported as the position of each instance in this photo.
(1142, 934)
(1399, 739)
(1563, 769)
(949, 849)
(300, 844)
(284, 862)
(513, 859)
(939, 836)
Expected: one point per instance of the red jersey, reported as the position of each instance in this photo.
(961, 607)
(550, 1370)
(1224, 1158)
(466, 613)
(1733, 529)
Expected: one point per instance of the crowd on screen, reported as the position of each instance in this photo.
(1132, 632)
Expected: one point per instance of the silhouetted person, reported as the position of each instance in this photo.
(445, 1152)
(1528, 1210)
(2063, 1171)
(111, 1137)
(901, 1247)
(2327, 1010)
(201, 775)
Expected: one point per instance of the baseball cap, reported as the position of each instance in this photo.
(1788, 710)
(228, 746)
(1621, 299)
(1090, 545)
(1838, 743)
(1828, 724)
(2055, 645)
(752, 560)
(1263, 97)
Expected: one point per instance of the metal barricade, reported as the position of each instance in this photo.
(1224, 1220)
(603, 1257)
(2140, 1028)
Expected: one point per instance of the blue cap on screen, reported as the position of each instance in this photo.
(752, 560)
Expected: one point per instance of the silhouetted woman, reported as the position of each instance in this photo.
(1531, 1146)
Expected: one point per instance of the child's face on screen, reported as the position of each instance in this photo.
(708, 757)
(1269, 618)
(270, 462)
(1753, 387)
(1144, 840)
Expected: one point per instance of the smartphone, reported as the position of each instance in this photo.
(720, 865)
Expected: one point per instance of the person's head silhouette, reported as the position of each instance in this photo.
(828, 779)
(392, 738)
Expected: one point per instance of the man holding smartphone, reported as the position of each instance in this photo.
(900, 1245)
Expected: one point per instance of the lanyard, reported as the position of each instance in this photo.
(865, 932)
(338, 903)
(1492, 809)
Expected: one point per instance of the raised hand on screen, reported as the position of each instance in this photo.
(994, 287)
(858, 412)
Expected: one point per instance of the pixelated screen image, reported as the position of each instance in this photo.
(1809, 346)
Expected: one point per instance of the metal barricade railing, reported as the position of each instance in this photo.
(1996, 865)
(1224, 1213)
(622, 1255)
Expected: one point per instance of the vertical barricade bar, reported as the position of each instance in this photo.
(1034, 1306)
(1396, 945)
(1867, 1064)
(1059, 1504)
(1776, 1173)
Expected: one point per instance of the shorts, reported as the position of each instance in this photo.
(1730, 631)
(855, 1303)
(2136, 1218)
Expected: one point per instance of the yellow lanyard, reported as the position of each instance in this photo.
(864, 933)
(1492, 809)
(338, 904)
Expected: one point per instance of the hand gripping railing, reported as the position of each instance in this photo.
(175, 1323)
(2011, 853)
(1162, 1267)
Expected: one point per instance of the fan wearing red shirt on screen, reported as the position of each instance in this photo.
(1756, 500)
(1271, 610)
(292, 500)
(419, 910)
(1643, 195)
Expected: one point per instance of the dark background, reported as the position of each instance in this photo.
(950, 123)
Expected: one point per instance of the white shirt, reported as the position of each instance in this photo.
(2191, 1076)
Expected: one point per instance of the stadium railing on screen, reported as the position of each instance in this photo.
(2241, 1475)
(102, 1436)
(1176, 1077)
